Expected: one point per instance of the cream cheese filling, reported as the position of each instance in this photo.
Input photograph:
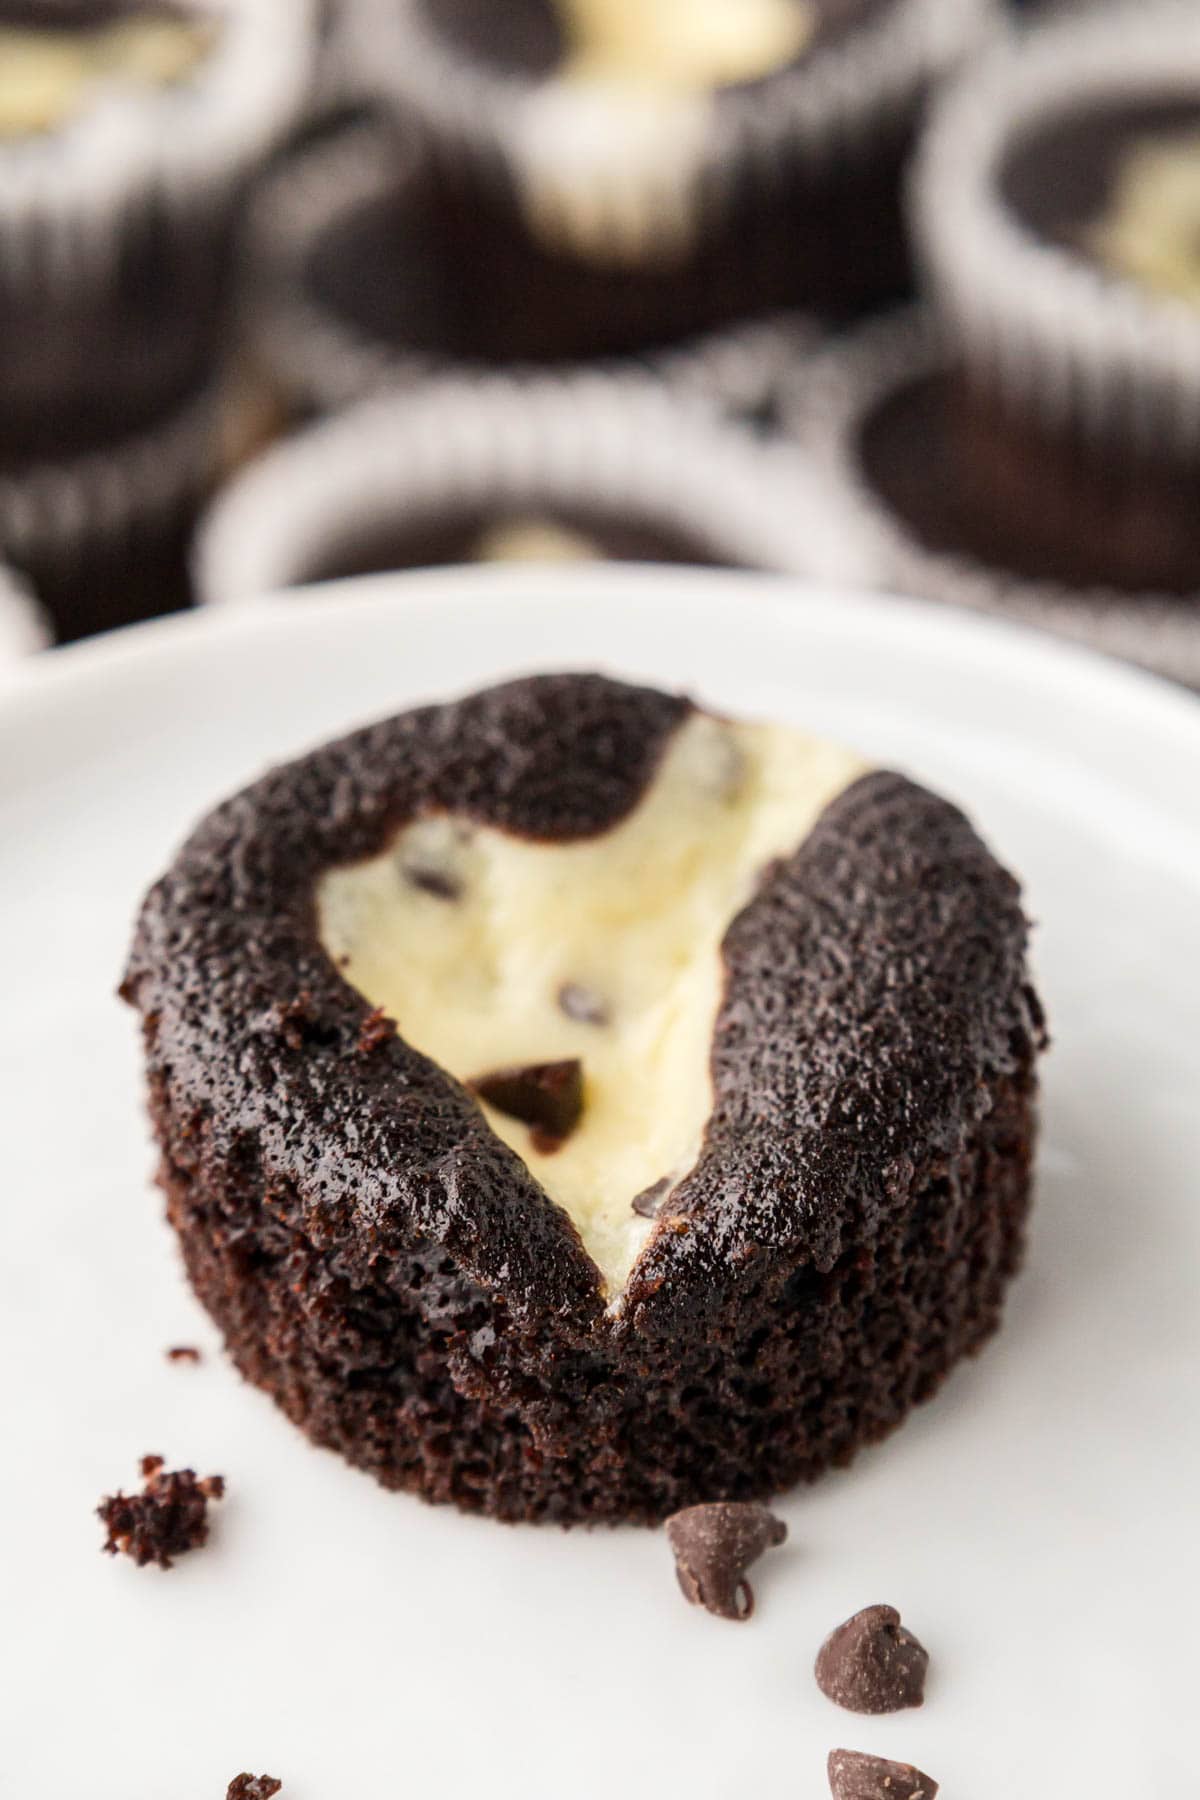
(47, 76)
(1151, 231)
(613, 145)
(490, 951)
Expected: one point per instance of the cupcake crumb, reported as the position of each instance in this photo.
(168, 1517)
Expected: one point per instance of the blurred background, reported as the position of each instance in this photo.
(888, 293)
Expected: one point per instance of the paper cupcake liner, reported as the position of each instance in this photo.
(86, 531)
(1072, 348)
(586, 447)
(824, 413)
(320, 361)
(521, 137)
(72, 201)
(24, 628)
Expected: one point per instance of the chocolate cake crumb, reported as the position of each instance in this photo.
(185, 1353)
(583, 1004)
(252, 1787)
(871, 1664)
(714, 1545)
(438, 882)
(166, 1519)
(376, 1029)
(291, 1017)
(853, 1775)
(546, 1096)
(648, 1202)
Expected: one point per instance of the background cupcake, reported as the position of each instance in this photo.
(1058, 208)
(23, 627)
(544, 468)
(628, 174)
(127, 134)
(871, 419)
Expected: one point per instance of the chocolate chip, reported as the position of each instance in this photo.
(253, 1787)
(438, 882)
(871, 1664)
(648, 1202)
(582, 1004)
(546, 1096)
(714, 1545)
(855, 1776)
(183, 1353)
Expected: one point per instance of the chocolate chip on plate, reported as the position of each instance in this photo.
(853, 1775)
(714, 1545)
(871, 1664)
(583, 1004)
(546, 1096)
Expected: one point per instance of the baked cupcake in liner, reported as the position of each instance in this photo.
(354, 282)
(1057, 206)
(116, 193)
(629, 172)
(103, 536)
(24, 628)
(872, 417)
(509, 468)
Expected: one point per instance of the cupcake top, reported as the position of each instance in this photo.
(517, 469)
(105, 104)
(617, 122)
(874, 417)
(1058, 204)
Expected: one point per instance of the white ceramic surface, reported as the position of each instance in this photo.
(1037, 1523)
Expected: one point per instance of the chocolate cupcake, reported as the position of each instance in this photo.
(560, 468)
(877, 419)
(1058, 205)
(627, 174)
(103, 536)
(127, 129)
(23, 627)
(698, 1150)
(354, 281)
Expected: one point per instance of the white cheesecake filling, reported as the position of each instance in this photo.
(47, 76)
(613, 145)
(490, 950)
(1151, 231)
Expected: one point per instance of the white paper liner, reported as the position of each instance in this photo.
(824, 412)
(69, 198)
(64, 512)
(321, 362)
(832, 107)
(615, 448)
(1074, 347)
(24, 628)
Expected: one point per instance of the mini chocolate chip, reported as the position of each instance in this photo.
(438, 882)
(183, 1353)
(546, 1096)
(871, 1664)
(648, 1202)
(582, 1004)
(714, 1545)
(853, 1775)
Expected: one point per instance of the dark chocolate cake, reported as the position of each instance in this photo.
(797, 996)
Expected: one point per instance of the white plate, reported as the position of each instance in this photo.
(1037, 1523)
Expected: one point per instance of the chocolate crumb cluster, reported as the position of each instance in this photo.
(168, 1517)
(714, 1545)
(253, 1787)
(871, 1664)
(183, 1353)
(377, 1028)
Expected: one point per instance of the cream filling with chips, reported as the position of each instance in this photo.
(491, 951)
(1151, 232)
(613, 145)
(48, 76)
